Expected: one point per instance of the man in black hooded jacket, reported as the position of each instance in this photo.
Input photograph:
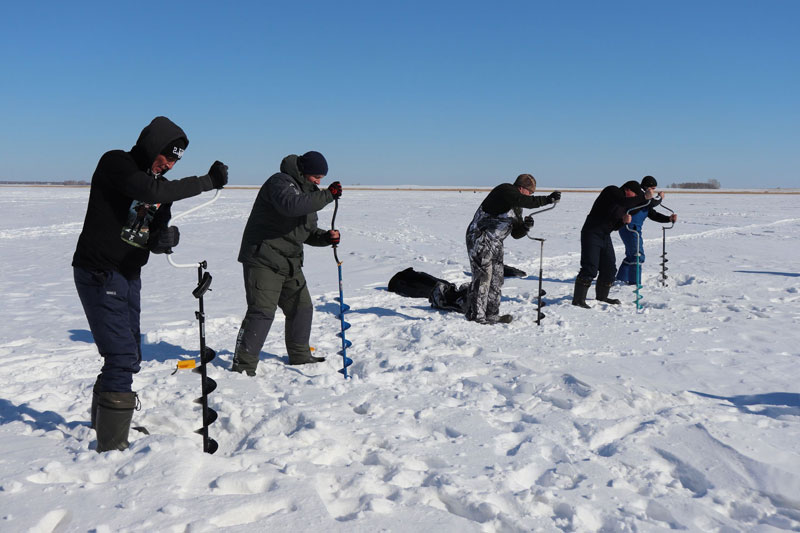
(609, 212)
(127, 218)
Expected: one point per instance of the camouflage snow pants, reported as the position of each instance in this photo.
(486, 262)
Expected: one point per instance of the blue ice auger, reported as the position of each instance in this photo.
(637, 290)
(664, 248)
(207, 384)
(343, 308)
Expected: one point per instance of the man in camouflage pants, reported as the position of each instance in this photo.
(499, 215)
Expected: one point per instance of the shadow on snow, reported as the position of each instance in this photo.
(160, 351)
(788, 403)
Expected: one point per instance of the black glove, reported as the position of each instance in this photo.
(336, 189)
(162, 241)
(218, 174)
(554, 196)
(528, 222)
(331, 239)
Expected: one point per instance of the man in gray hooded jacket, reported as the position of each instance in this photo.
(283, 219)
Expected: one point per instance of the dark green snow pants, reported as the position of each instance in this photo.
(267, 290)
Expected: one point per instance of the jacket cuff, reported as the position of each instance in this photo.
(205, 182)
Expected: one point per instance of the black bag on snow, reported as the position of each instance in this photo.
(440, 293)
(413, 284)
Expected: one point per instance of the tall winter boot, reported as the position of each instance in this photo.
(95, 395)
(249, 342)
(601, 292)
(579, 295)
(114, 414)
(297, 332)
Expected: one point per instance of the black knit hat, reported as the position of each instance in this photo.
(649, 181)
(632, 186)
(312, 164)
(174, 150)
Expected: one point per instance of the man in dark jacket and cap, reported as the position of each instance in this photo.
(127, 218)
(609, 212)
(283, 219)
(498, 216)
(631, 234)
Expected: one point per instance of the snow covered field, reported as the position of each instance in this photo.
(684, 415)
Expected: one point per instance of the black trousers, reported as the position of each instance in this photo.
(597, 256)
(112, 306)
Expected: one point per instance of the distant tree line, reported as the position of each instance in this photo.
(710, 184)
(65, 182)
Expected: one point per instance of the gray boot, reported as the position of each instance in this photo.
(601, 292)
(114, 414)
(579, 295)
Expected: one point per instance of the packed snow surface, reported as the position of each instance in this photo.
(682, 415)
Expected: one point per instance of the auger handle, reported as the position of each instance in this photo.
(672, 225)
(333, 227)
(179, 215)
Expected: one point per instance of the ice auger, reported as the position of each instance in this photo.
(539, 314)
(207, 384)
(637, 290)
(343, 308)
(664, 248)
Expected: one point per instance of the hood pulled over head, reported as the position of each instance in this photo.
(158, 136)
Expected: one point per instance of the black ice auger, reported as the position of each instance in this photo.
(207, 384)
(664, 248)
(539, 314)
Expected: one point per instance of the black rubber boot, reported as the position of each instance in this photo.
(93, 408)
(114, 414)
(601, 290)
(579, 295)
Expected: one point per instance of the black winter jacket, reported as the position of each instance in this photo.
(609, 208)
(127, 203)
(283, 218)
(500, 213)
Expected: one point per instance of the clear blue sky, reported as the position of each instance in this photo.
(578, 93)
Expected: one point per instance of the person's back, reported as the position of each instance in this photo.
(610, 207)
